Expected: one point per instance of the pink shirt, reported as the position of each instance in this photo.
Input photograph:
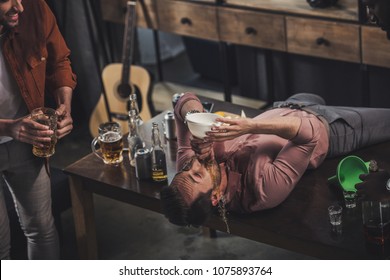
(262, 169)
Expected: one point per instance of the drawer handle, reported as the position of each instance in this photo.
(250, 31)
(322, 41)
(186, 21)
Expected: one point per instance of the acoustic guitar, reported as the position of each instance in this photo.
(119, 81)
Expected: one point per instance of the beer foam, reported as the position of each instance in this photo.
(110, 136)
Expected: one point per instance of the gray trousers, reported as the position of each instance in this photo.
(350, 128)
(26, 177)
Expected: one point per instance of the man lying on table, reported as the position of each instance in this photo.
(254, 164)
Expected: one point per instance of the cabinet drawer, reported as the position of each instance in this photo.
(188, 19)
(115, 11)
(252, 28)
(375, 47)
(332, 40)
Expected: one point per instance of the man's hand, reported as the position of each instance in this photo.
(63, 98)
(285, 127)
(231, 128)
(203, 149)
(28, 131)
(65, 121)
(373, 186)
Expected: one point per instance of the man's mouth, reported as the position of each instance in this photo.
(13, 17)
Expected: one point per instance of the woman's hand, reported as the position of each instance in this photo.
(373, 186)
(231, 128)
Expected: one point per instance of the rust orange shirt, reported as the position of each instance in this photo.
(37, 54)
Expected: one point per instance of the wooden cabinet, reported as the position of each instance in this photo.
(344, 10)
(375, 47)
(331, 40)
(189, 19)
(252, 28)
(282, 25)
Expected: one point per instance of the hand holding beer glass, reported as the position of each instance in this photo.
(48, 117)
(110, 142)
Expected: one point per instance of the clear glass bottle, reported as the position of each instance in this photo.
(134, 106)
(159, 164)
(134, 139)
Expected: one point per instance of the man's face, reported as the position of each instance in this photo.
(379, 12)
(9, 13)
(197, 178)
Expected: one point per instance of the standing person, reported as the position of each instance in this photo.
(34, 61)
(250, 165)
(376, 185)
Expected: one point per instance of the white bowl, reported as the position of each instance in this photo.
(200, 123)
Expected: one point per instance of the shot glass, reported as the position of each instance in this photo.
(349, 199)
(335, 212)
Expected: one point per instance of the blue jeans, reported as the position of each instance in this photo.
(26, 177)
(350, 128)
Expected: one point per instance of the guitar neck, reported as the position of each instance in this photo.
(128, 41)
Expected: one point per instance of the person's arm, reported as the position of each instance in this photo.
(373, 186)
(63, 98)
(286, 127)
(277, 178)
(25, 130)
(58, 70)
(187, 103)
(60, 80)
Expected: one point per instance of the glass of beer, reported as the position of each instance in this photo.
(45, 116)
(110, 142)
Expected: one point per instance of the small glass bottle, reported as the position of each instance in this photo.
(159, 164)
(134, 106)
(134, 139)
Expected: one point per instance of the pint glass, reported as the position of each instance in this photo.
(45, 116)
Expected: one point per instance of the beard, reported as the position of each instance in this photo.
(7, 24)
(215, 172)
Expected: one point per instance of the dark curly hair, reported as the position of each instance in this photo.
(177, 209)
(179, 213)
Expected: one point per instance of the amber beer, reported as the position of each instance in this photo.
(47, 150)
(110, 142)
(112, 146)
(377, 235)
(376, 228)
(45, 116)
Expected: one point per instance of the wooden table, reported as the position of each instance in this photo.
(299, 224)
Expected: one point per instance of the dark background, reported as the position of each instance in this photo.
(95, 43)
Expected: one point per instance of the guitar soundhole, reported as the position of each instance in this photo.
(124, 90)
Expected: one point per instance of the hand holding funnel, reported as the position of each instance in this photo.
(348, 171)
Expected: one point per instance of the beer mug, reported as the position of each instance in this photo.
(110, 142)
(45, 116)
